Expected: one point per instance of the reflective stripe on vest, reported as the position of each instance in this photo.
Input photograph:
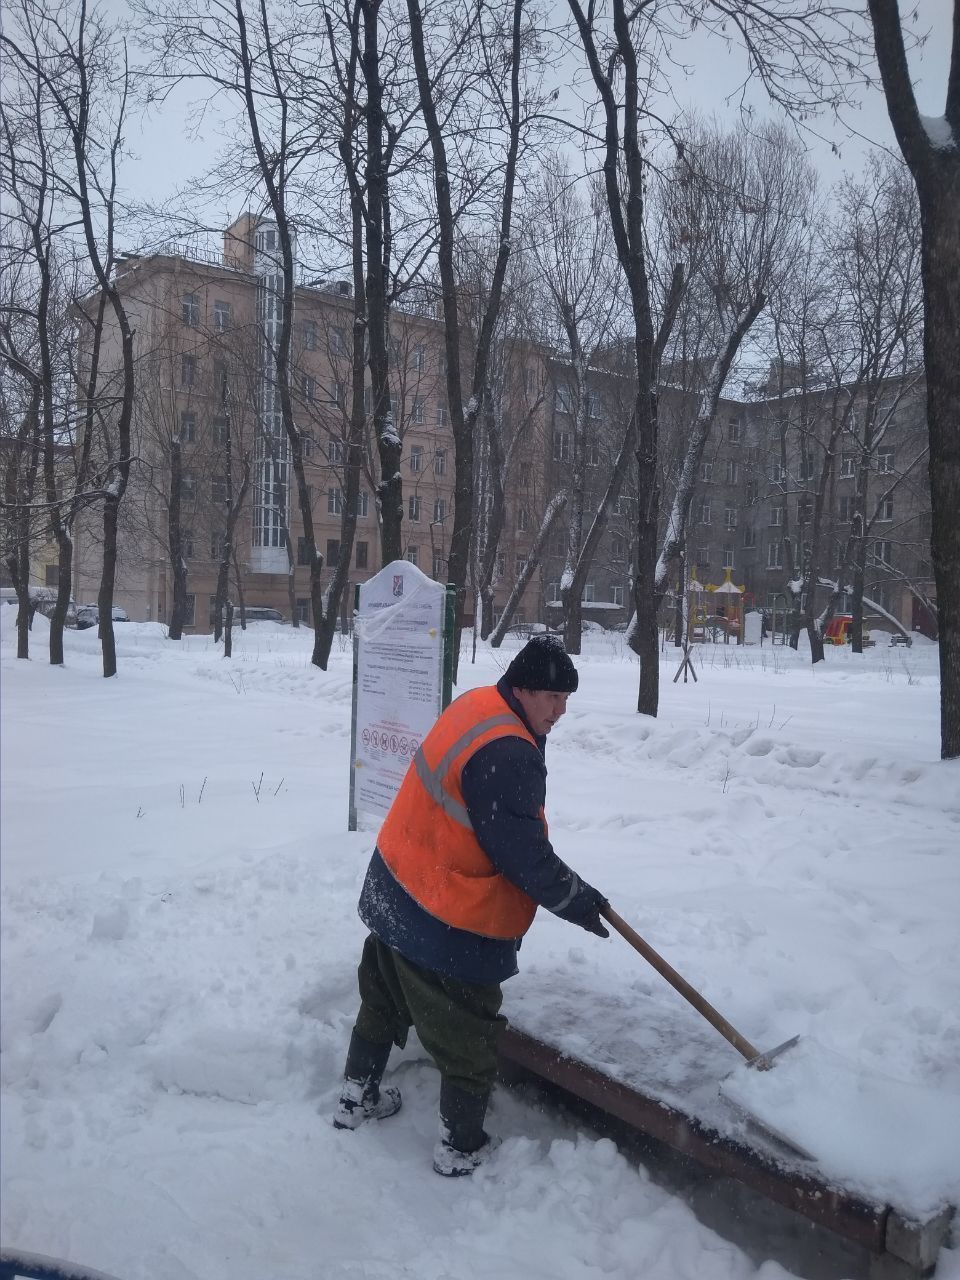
(432, 779)
(428, 840)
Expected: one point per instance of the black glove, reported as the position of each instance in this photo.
(584, 910)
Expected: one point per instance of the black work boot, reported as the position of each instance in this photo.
(463, 1143)
(362, 1098)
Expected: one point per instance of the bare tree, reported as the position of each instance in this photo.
(740, 202)
(503, 55)
(571, 245)
(931, 148)
(803, 52)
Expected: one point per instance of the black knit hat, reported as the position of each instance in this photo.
(543, 663)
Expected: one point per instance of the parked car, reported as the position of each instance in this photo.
(88, 615)
(258, 613)
(44, 600)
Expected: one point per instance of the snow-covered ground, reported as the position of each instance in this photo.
(180, 941)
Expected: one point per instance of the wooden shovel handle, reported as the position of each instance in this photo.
(703, 1007)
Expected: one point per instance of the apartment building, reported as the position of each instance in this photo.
(206, 324)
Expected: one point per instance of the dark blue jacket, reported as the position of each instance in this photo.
(504, 788)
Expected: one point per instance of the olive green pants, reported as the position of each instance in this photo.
(459, 1023)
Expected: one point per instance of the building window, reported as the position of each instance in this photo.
(188, 428)
(420, 357)
(728, 557)
(553, 592)
(519, 562)
(419, 410)
(219, 547)
(706, 472)
(750, 493)
(186, 544)
(441, 416)
(501, 564)
(778, 473)
(218, 490)
(363, 504)
(412, 554)
(846, 510)
(564, 399)
(733, 472)
(886, 507)
(334, 502)
(618, 547)
(522, 519)
(804, 510)
(589, 592)
(730, 517)
(363, 549)
(51, 575)
(309, 335)
(805, 471)
(776, 516)
(188, 485)
(222, 316)
(335, 452)
(438, 563)
(416, 458)
(885, 458)
(561, 446)
(749, 536)
(303, 609)
(593, 451)
(440, 462)
(558, 542)
(188, 371)
(617, 595)
(883, 553)
(333, 552)
(594, 404)
(703, 557)
(733, 430)
(221, 383)
(413, 508)
(847, 466)
(338, 341)
(439, 510)
(190, 610)
(190, 310)
(308, 385)
(302, 554)
(775, 555)
(703, 511)
(221, 431)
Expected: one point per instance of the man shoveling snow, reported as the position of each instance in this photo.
(462, 861)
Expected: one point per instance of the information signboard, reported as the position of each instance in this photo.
(400, 664)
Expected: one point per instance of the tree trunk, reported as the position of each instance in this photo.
(941, 278)
(935, 165)
(178, 568)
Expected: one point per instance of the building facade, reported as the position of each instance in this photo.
(206, 330)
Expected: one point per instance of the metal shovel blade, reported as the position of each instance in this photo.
(764, 1061)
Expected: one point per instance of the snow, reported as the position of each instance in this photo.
(938, 130)
(180, 944)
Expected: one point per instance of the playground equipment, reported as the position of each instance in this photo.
(728, 607)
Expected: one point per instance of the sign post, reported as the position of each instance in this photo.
(402, 670)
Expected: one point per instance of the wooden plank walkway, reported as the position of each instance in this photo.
(901, 1248)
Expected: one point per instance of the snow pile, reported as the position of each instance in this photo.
(180, 945)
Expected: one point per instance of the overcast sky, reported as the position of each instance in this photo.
(167, 157)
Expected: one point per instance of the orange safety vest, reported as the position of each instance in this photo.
(428, 841)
